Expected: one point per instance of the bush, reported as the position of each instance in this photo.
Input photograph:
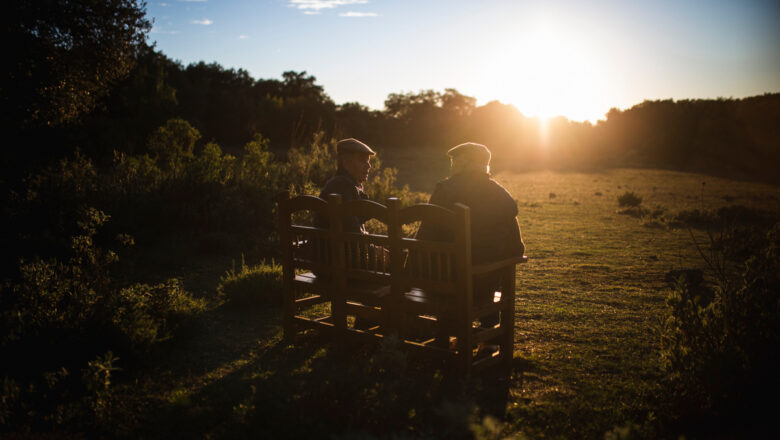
(68, 298)
(720, 341)
(256, 285)
(62, 316)
(629, 200)
(146, 314)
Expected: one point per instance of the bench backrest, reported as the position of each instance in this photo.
(440, 267)
(331, 251)
(303, 246)
(360, 256)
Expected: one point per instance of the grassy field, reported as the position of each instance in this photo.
(588, 314)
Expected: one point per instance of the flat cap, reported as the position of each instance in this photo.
(471, 151)
(352, 145)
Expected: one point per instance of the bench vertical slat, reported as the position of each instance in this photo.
(508, 315)
(397, 260)
(288, 272)
(338, 263)
(464, 314)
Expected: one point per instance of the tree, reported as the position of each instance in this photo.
(301, 86)
(64, 55)
(457, 104)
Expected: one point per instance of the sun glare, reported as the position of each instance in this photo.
(547, 72)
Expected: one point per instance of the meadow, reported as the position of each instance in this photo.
(589, 313)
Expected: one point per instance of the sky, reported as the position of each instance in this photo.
(570, 58)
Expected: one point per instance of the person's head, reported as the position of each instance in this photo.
(469, 157)
(354, 158)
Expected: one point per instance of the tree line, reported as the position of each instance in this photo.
(97, 86)
(730, 137)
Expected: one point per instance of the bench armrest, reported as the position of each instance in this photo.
(483, 268)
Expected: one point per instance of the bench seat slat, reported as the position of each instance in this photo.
(369, 292)
(480, 269)
(482, 335)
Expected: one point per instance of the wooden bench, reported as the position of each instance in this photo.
(420, 290)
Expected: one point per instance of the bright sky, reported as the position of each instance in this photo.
(572, 58)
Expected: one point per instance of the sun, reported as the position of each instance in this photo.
(547, 72)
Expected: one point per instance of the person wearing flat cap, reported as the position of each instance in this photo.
(495, 233)
(354, 163)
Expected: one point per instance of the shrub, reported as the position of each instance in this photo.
(720, 341)
(256, 285)
(59, 315)
(52, 296)
(145, 314)
(628, 200)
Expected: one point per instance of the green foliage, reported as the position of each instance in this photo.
(253, 285)
(629, 199)
(720, 341)
(53, 294)
(258, 168)
(147, 314)
(211, 166)
(80, 294)
(97, 379)
(382, 185)
(314, 163)
(66, 55)
(61, 313)
(172, 143)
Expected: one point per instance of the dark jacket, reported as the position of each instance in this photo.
(495, 232)
(349, 189)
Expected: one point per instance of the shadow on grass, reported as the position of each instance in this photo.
(236, 378)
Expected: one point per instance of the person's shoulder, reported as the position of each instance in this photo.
(338, 184)
(498, 187)
(340, 179)
(445, 186)
(441, 194)
(502, 194)
(444, 183)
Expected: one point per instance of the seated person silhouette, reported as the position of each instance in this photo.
(354, 163)
(495, 233)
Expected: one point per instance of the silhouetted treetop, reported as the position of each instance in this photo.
(62, 56)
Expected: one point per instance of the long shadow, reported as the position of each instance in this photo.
(317, 386)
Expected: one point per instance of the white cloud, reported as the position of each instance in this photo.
(164, 5)
(309, 12)
(317, 5)
(204, 22)
(358, 14)
(193, 1)
(243, 37)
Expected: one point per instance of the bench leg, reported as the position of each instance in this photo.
(289, 310)
(465, 348)
(508, 316)
(338, 308)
